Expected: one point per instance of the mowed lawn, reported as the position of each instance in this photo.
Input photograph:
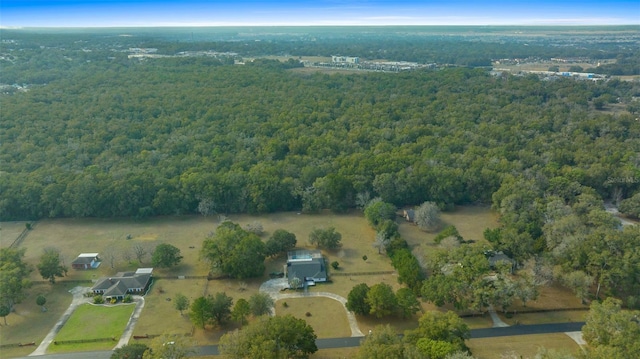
(94, 322)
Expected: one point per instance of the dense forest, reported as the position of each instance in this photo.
(99, 134)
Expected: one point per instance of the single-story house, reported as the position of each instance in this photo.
(497, 257)
(124, 283)
(86, 261)
(309, 267)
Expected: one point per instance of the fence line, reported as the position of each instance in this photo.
(28, 226)
(334, 273)
(76, 341)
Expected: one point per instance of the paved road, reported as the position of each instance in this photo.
(348, 342)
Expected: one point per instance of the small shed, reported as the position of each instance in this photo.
(86, 261)
(409, 215)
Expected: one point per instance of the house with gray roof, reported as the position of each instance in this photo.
(305, 268)
(123, 283)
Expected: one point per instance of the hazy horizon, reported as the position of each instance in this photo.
(197, 13)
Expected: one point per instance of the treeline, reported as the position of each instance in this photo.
(125, 138)
(474, 48)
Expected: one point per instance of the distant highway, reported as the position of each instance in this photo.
(348, 342)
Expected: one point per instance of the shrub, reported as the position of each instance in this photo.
(255, 227)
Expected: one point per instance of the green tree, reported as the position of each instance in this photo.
(377, 211)
(41, 300)
(579, 282)
(427, 216)
(631, 206)
(240, 311)
(408, 303)
(14, 274)
(50, 266)
(281, 241)
(181, 302)
(611, 331)
(129, 351)
(357, 299)
(220, 308)
(436, 349)
(170, 347)
(4, 311)
(270, 338)
(165, 256)
(382, 300)
(234, 251)
(446, 327)
(200, 312)
(261, 304)
(325, 238)
(383, 343)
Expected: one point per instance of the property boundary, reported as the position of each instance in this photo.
(338, 274)
(76, 341)
(28, 227)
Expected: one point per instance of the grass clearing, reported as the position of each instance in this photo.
(72, 236)
(93, 322)
(90, 321)
(522, 346)
(328, 317)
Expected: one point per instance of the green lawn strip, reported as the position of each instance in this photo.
(93, 322)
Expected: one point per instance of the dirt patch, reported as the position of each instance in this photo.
(9, 231)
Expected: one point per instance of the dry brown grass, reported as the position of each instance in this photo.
(29, 323)
(522, 346)
(338, 353)
(328, 317)
(72, 236)
(9, 231)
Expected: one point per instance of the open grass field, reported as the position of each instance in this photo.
(328, 317)
(92, 322)
(522, 346)
(9, 231)
(109, 238)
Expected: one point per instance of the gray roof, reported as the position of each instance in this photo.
(122, 283)
(314, 268)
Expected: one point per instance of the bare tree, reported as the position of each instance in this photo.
(428, 216)
(382, 241)
(140, 252)
(206, 206)
(109, 256)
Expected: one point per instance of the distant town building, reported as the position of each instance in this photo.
(345, 59)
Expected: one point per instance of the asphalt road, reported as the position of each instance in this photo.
(348, 342)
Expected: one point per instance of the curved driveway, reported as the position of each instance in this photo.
(275, 286)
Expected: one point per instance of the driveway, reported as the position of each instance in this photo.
(274, 288)
(78, 299)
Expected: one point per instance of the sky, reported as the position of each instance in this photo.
(130, 13)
